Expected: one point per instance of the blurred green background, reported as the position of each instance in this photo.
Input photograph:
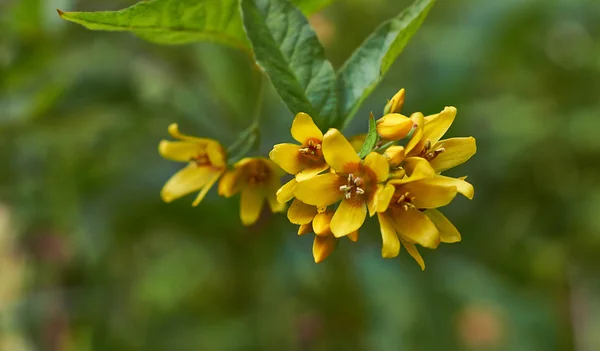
(91, 259)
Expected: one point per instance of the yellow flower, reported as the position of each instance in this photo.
(357, 142)
(324, 242)
(355, 182)
(207, 161)
(395, 104)
(406, 209)
(304, 160)
(442, 154)
(258, 180)
(394, 126)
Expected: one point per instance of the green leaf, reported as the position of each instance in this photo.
(368, 64)
(179, 21)
(371, 138)
(288, 50)
(171, 21)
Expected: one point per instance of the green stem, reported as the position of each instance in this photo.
(250, 137)
(385, 146)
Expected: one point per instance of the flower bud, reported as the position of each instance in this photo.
(394, 126)
(395, 155)
(395, 104)
(398, 173)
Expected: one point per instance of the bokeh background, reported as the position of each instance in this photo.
(91, 259)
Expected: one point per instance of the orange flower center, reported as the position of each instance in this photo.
(359, 180)
(201, 160)
(257, 173)
(312, 150)
(429, 154)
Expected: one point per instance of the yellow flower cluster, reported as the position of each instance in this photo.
(256, 178)
(334, 189)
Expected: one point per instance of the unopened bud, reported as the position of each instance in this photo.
(397, 173)
(394, 126)
(395, 104)
(395, 155)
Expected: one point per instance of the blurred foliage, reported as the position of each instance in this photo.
(99, 263)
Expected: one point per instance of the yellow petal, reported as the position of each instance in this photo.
(303, 128)
(437, 125)
(353, 236)
(322, 223)
(378, 164)
(412, 250)
(372, 200)
(189, 179)
(301, 213)
(287, 157)
(348, 217)
(251, 204)
(216, 155)
(430, 195)
(414, 226)
(419, 121)
(323, 246)
(391, 243)
(274, 204)
(418, 168)
(448, 232)
(174, 131)
(463, 187)
(229, 184)
(321, 190)
(338, 151)
(206, 188)
(311, 171)
(394, 126)
(394, 155)
(276, 171)
(357, 141)
(457, 151)
(305, 229)
(286, 192)
(384, 197)
(183, 151)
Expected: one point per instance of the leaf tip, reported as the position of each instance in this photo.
(60, 13)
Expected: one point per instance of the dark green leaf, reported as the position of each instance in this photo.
(288, 50)
(369, 63)
(371, 138)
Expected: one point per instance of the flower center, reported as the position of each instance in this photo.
(430, 154)
(312, 150)
(405, 201)
(258, 174)
(354, 186)
(201, 160)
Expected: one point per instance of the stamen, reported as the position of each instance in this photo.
(348, 195)
(358, 181)
(345, 188)
(427, 144)
(359, 191)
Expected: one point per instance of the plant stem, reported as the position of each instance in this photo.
(385, 146)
